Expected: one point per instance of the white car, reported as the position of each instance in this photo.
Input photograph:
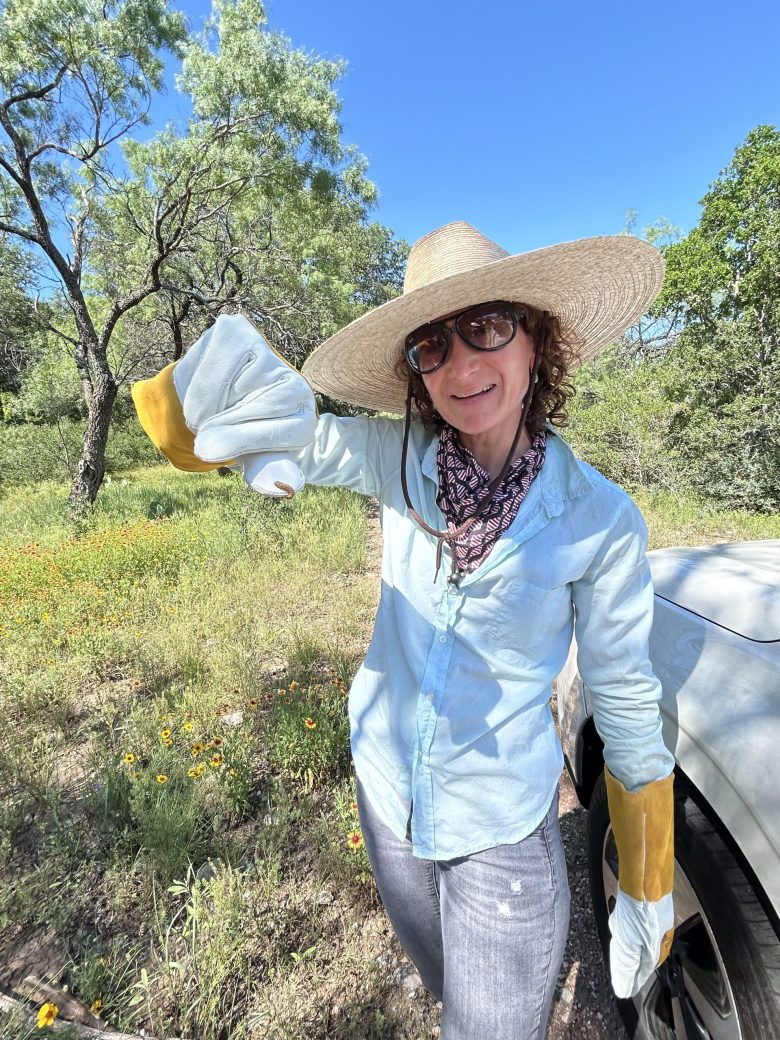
(715, 646)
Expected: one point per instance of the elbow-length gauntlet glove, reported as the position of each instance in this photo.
(642, 922)
(231, 401)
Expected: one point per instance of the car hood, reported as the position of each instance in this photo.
(734, 585)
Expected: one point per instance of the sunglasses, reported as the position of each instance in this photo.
(488, 326)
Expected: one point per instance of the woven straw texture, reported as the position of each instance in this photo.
(597, 287)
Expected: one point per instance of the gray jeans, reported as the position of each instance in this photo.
(486, 932)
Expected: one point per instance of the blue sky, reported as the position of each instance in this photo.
(546, 122)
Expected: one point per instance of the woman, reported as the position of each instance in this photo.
(452, 735)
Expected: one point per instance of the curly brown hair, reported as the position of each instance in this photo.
(559, 355)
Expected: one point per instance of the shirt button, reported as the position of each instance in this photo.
(442, 639)
(429, 696)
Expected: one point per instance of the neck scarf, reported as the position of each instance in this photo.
(463, 484)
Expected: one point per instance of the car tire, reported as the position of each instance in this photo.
(721, 980)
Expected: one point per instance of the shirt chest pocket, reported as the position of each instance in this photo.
(528, 618)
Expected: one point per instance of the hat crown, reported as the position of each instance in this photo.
(452, 249)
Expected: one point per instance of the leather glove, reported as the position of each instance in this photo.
(642, 922)
(245, 406)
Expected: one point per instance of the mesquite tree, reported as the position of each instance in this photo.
(240, 205)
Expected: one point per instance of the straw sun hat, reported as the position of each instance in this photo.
(597, 287)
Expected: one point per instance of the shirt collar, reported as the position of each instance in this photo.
(561, 477)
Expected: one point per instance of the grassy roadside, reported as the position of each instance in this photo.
(178, 833)
(178, 837)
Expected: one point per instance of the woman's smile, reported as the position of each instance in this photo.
(480, 393)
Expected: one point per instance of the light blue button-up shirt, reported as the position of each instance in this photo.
(452, 733)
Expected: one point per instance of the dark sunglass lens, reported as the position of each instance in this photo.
(426, 350)
(487, 327)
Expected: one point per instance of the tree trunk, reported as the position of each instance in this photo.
(91, 465)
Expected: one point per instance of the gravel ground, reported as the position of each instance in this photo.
(584, 1007)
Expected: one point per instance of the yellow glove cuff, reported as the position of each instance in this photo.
(643, 824)
(160, 414)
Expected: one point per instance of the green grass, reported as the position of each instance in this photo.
(685, 520)
(173, 694)
(177, 817)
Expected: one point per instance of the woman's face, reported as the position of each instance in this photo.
(481, 392)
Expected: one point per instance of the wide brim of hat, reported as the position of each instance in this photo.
(597, 287)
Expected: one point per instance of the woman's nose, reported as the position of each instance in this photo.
(462, 358)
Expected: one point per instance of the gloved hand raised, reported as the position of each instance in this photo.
(642, 921)
(245, 403)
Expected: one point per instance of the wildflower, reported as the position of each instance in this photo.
(161, 778)
(233, 772)
(217, 742)
(200, 769)
(167, 742)
(129, 758)
(353, 806)
(309, 723)
(253, 702)
(96, 1007)
(196, 749)
(193, 773)
(216, 761)
(188, 727)
(165, 733)
(293, 686)
(354, 839)
(46, 1015)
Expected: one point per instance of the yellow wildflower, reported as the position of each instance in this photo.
(216, 761)
(165, 733)
(46, 1015)
(354, 839)
(310, 723)
(161, 778)
(129, 758)
(96, 1007)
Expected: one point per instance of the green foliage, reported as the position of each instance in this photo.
(725, 427)
(255, 203)
(33, 454)
(728, 267)
(49, 390)
(619, 420)
(700, 411)
(723, 373)
(309, 738)
(18, 325)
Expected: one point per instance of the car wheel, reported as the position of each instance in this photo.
(721, 980)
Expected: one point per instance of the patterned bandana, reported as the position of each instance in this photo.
(463, 484)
